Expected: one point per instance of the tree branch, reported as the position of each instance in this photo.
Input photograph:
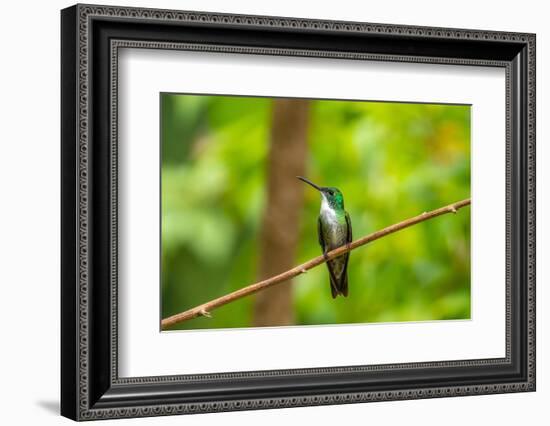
(205, 308)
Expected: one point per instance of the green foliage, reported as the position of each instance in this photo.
(390, 160)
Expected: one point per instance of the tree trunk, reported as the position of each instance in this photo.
(280, 226)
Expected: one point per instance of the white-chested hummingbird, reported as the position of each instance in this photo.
(334, 230)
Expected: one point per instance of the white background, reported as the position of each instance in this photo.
(29, 225)
(146, 352)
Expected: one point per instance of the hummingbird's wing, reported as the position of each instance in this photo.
(320, 233)
(349, 239)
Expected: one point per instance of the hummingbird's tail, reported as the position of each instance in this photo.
(344, 287)
(333, 290)
(340, 287)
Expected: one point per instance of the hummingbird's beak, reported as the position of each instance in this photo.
(303, 179)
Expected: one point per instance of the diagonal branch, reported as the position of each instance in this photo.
(205, 308)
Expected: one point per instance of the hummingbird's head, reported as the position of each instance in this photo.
(333, 196)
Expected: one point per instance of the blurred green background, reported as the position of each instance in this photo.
(390, 160)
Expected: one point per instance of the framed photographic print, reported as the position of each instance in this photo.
(263, 212)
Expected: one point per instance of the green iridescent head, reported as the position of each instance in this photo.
(332, 195)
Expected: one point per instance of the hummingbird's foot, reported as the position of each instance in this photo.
(303, 271)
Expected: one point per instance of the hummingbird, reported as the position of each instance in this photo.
(334, 230)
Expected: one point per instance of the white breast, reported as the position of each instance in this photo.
(327, 212)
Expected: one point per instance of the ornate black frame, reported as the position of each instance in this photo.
(91, 37)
